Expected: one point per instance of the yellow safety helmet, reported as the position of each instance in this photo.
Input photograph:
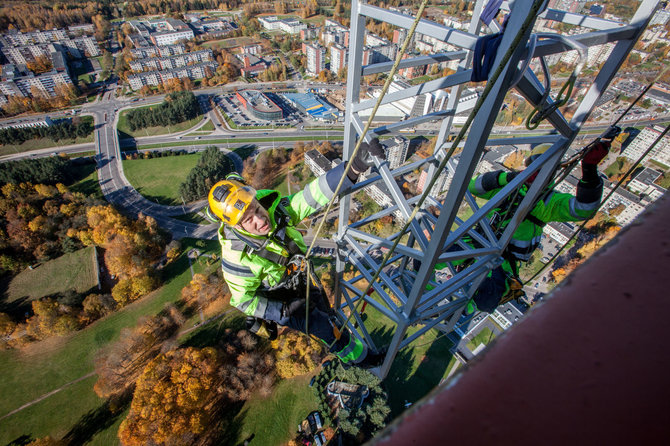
(536, 152)
(228, 199)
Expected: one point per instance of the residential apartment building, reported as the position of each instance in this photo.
(172, 62)
(155, 78)
(162, 51)
(316, 58)
(44, 83)
(644, 140)
(77, 48)
(338, 57)
(317, 163)
(290, 26)
(171, 37)
(396, 151)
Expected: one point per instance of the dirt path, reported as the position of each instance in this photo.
(46, 395)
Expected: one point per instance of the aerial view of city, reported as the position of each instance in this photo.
(319, 222)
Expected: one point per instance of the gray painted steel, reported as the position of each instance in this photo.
(401, 294)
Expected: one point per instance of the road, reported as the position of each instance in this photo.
(119, 192)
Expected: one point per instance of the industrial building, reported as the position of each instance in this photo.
(313, 105)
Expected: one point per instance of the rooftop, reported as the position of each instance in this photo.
(259, 101)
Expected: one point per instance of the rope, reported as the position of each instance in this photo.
(571, 163)
(489, 86)
(602, 203)
(385, 88)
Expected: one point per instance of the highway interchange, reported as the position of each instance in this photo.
(120, 193)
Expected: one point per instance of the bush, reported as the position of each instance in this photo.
(178, 107)
(213, 166)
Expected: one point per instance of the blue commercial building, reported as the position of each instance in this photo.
(313, 105)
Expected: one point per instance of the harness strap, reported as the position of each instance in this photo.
(485, 52)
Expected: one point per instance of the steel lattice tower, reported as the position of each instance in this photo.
(401, 294)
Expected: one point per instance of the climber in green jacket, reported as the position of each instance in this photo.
(262, 254)
(502, 284)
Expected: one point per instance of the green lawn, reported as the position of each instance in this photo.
(46, 366)
(485, 336)
(88, 183)
(267, 139)
(208, 127)
(44, 143)
(229, 43)
(124, 130)
(73, 271)
(418, 368)
(274, 420)
(158, 179)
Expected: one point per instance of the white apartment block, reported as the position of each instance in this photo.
(644, 140)
(661, 17)
(155, 78)
(290, 26)
(316, 59)
(45, 83)
(171, 37)
(172, 62)
(18, 38)
(396, 151)
(162, 51)
(338, 57)
(596, 55)
(77, 48)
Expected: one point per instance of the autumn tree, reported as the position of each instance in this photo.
(119, 366)
(41, 64)
(173, 400)
(515, 160)
(296, 354)
(204, 291)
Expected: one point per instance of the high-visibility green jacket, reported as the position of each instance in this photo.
(246, 273)
(556, 206)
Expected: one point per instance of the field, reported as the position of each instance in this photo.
(52, 364)
(229, 43)
(74, 271)
(158, 179)
(125, 132)
(44, 143)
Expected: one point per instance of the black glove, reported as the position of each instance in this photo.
(611, 133)
(364, 156)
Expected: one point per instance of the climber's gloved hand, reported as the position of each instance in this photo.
(596, 153)
(291, 307)
(364, 156)
(611, 133)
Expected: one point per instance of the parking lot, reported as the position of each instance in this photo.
(232, 107)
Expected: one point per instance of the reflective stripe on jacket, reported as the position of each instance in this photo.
(556, 206)
(247, 273)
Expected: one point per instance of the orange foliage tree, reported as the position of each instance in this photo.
(173, 399)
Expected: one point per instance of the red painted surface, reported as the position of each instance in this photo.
(591, 365)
